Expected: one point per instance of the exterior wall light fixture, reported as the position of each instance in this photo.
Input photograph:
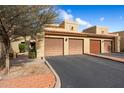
(66, 39)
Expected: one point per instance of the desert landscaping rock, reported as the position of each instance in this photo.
(33, 74)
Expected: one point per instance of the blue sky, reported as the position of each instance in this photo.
(111, 16)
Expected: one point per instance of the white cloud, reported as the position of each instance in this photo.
(102, 19)
(65, 15)
(83, 22)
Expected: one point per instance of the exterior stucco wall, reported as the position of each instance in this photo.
(67, 25)
(66, 47)
(96, 30)
(121, 34)
(117, 44)
(86, 45)
(102, 46)
(101, 30)
(122, 44)
(40, 49)
(70, 25)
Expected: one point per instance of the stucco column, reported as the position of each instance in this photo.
(66, 46)
(40, 50)
(117, 44)
(86, 45)
(102, 46)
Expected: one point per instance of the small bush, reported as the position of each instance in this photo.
(22, 47)
(32, 55)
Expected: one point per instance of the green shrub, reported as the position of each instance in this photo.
(22, 47)
(32, 55)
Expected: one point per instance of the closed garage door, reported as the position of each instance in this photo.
(75, 46)
(95, 46)
(53, 46)
(107, 46)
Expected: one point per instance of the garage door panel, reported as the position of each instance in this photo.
(107, 46)
(75, 46)
(95, 46)
(53, 46)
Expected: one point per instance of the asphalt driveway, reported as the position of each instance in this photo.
(82, 71)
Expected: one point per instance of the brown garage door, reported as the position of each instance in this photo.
(75, 46)
(107, 46)
(53, 46)
(95, 46)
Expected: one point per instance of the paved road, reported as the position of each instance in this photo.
(82, 71)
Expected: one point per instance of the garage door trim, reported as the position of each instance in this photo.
(60, 43)
(99, 44)
(82, 44)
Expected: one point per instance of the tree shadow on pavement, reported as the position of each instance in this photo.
(20, 60)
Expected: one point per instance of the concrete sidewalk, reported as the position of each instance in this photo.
(117, 59)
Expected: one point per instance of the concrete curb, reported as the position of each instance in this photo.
(106, 57)
(58, 81)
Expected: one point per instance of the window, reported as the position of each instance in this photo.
(72, 28)
(102, 32)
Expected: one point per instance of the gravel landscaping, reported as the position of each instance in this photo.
(26, 70)
(32, 73)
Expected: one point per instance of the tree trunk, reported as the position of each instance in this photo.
(6, 42)
(26, 42)
(7, 60)
(25, 39)
(2, 56)
(7, 50)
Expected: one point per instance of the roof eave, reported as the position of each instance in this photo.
(58, 33)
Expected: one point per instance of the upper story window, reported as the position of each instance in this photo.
(72, 28)
(102, 32)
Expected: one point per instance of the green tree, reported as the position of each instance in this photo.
(16, 21)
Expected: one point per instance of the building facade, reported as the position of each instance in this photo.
(121, 34)
(64, 39)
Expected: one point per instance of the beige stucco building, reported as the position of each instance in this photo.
(121, 34)
(64, 39)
